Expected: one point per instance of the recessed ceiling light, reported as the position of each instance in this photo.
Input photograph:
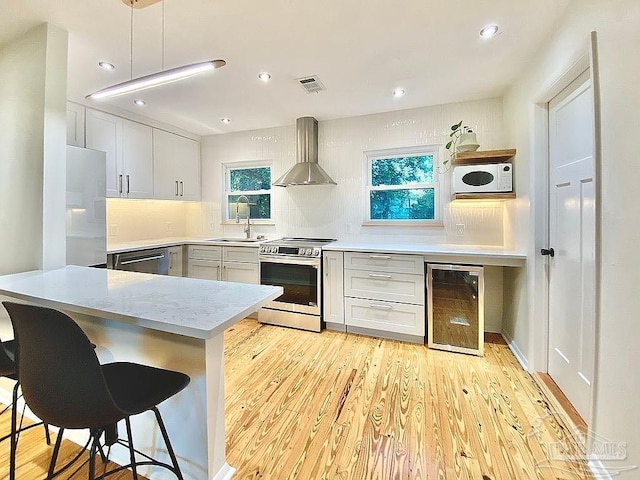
(399, 92)
(140, 103)
(264, 76)
(106, 65)
(489, 31)
(225, 120)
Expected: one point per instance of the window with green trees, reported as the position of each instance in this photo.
(254, 182)
(402, 185)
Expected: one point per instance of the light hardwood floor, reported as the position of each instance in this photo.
(308, 406)
(303, 405)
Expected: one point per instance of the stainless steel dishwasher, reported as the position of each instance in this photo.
(154, 260)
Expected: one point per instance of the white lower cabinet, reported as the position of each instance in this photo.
(241, 272)
(229, 264)
(204, 261)
(204, 269)
(385, 316)
(384, 294)
(175, 261)
(333, 290)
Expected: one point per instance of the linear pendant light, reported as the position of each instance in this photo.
(155, 79)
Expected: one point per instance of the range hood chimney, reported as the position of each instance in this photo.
(306, 171)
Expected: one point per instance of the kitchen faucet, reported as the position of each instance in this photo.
(247, 227)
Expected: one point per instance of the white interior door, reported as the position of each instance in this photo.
(572, 237)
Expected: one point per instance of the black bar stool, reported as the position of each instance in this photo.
(64, 385)
(8, 370)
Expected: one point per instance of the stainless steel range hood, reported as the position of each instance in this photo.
(306, 171)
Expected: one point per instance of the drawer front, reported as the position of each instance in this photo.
(384, 262)
(240, 254)
(204, 269)
(394, 287)
(385, 316)
(204, 252)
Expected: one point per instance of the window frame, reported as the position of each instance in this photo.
(226, 192)
(438, 194)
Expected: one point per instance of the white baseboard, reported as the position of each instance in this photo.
(513, 346)
(225, 473)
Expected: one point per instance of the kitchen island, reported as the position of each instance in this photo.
(168, 322)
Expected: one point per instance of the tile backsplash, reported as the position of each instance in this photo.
(133, 220)
(338, 211)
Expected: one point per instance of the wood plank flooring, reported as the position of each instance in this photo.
(308, 406)
(303, 405)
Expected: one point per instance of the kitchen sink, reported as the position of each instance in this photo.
(232, 239)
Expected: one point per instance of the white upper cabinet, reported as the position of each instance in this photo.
(75, 124)
(104, 132)
(176, 166)
(129, 149)
(137, 160)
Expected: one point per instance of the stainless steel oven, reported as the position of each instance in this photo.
(294, 264)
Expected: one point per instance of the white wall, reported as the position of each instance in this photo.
(338, 211)
(617, 24)
(32, 154)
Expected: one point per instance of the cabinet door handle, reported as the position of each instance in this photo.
(380, 257)
(326, 267)
(120, 183)
(181, 189)
(379, 306)
(128, 184)
(379, 275)
(176, 188)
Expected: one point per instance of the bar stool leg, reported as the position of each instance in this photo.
(132, 452)
(172, 454)
(54, 455)
(14, 435)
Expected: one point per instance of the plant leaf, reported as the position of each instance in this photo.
(456, 126)
(449, 144)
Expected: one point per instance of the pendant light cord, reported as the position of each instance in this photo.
(131, 42)
(162, 36)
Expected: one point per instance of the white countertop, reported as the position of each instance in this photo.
(171, 241)
(439, 253)
(186, 306)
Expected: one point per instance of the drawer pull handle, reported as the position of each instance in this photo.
(380, 275)
(380, 257)
(379, 306)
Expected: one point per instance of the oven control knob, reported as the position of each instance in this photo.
(309, 252)
(316, 252)
(274, 249)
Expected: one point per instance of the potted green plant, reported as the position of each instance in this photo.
(462, 139)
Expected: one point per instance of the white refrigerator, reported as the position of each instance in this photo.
(86, 214)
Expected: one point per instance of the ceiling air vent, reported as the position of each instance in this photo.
(311, 84)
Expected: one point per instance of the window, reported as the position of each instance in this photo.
(402, 185)
(252, 181)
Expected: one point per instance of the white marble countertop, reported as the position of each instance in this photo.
(186, 306)
(439, 252)
(122, 247)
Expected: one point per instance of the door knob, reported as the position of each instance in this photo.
(549, 252)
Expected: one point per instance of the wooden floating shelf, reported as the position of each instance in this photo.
(484, 156)
(483, 196)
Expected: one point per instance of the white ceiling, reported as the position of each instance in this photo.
(360, 49)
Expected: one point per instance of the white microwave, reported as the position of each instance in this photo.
(493, 177)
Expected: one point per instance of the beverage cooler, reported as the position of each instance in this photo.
(455, 315)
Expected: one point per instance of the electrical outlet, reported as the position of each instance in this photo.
(349, 228)
(459, 229)
(169, 227)
(113, 229)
